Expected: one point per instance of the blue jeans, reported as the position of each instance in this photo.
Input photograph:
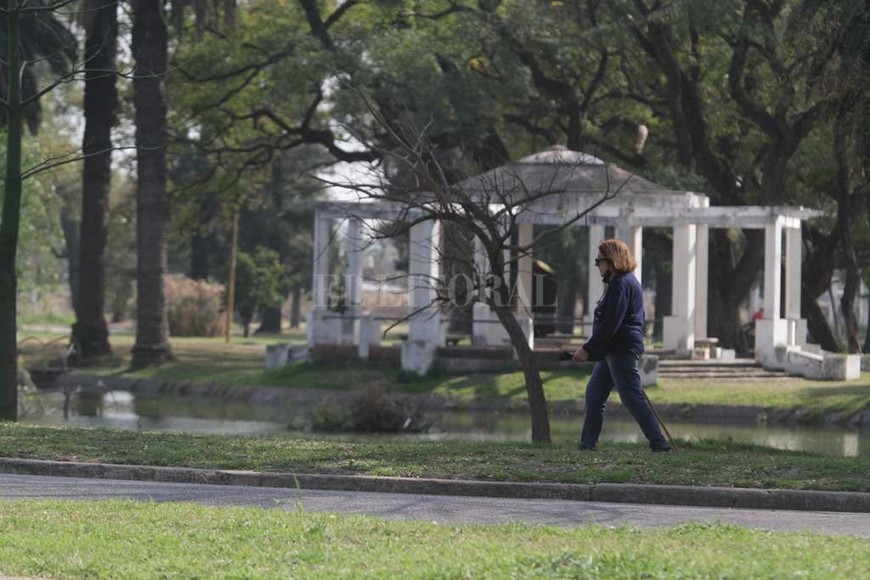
(620, 371)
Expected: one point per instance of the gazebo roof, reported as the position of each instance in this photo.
(558, 170)
(565, 183)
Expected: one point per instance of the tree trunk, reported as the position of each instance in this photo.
(101, 99)
(270, 320)
(867, 335)
(662, 303)
(71, 228)
(198, 257)
(149, 44)
(850, 291)
(565, 313)
(730, 283)
(296, 307)
(500, 303)
(817, 325)
(9, 225)
(231, 279)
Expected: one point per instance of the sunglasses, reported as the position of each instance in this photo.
(599, 260)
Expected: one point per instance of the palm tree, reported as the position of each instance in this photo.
(101, 101)
(149, 45)
(41, 37)
(22, 45)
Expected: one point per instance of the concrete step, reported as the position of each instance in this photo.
(709, 363)
(765, 376)
(737, 369)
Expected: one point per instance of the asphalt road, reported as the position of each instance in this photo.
(440, 508)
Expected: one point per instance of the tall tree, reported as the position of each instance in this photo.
(740, 135)
(9, 226)
(101, 101)
(20, 50)
(149, 46)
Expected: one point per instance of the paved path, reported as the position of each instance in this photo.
(440, 508)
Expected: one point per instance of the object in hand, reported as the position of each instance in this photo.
(566, 355)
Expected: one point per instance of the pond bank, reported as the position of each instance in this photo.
(294, 397)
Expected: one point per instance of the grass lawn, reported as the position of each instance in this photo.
(241, 363)
(704, 463)
(110, 539)
(123, 539)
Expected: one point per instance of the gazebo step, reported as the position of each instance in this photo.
(709, 363)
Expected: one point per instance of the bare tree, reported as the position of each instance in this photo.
(420, 183)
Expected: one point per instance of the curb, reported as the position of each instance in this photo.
(723, 497)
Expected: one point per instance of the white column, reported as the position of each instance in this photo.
(481, 324)
(425, 330)
(633, 238)
(594, 286)
(486, 328)
(321, 327)
(772, 269)
(797, 329)
(423, 268)
(702, 265)
(793, 273)
(772, 330)
(525, 269)
(320, 269)
(353, 276)
(679, 327)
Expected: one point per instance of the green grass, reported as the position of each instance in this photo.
(704, 463)
(124, 539)
(47, 319)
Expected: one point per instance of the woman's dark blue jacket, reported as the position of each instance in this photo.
(618, 320)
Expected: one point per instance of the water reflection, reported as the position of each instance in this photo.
(122, 410)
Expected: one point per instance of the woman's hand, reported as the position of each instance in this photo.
(580, 355)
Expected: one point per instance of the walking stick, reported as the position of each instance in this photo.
(659, 419)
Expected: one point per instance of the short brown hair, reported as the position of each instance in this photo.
(618, 254)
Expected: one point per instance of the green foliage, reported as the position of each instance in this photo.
(40, 238)
(121, 249)
(258, 282)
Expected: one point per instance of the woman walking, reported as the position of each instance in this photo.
(616, 345)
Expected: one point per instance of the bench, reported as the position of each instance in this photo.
(706, 348)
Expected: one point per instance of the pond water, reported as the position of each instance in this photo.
(123, 410)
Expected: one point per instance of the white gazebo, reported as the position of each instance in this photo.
(560, 185)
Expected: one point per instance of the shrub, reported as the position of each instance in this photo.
(371, 410)
(194, 307)
(258, 282)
